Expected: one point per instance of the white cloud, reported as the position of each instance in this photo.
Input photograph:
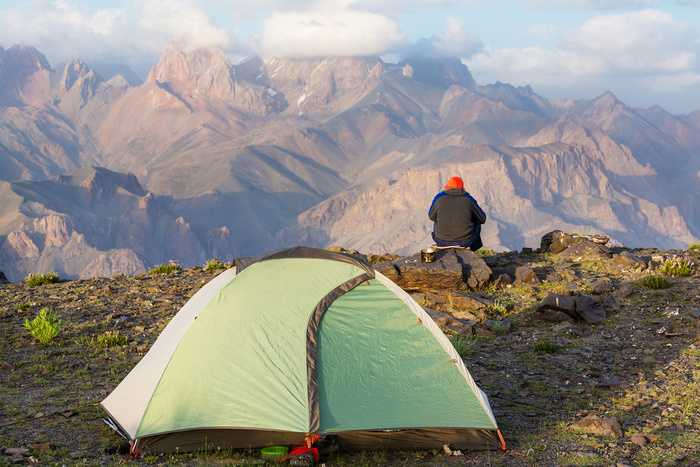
(642, 51)
(455, 40)
(135, 33)
(643, 41)
(587, 4)
(165, 19)
(328, 32)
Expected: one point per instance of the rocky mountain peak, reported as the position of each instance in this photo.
(77, 71)
(97, 183)
(17, 66)
(26, 59)
(442, 72)
(313, 82)
(193, 70)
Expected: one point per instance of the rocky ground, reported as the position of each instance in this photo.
(622, 392)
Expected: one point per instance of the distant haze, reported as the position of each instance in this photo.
(645, 52)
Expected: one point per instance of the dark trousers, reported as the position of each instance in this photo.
(473, 243)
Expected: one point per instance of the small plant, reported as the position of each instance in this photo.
(214, 264)
(173, 265)
(45, 326)
(655, 282)
(464, 345)
(499, 307)
(483, 251)
(694, 246)
(675, 266)
(544, 346)
(498, 327)
(33, 280)
(110, 339)
(24, 306)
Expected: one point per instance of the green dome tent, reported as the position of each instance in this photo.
(296, 342)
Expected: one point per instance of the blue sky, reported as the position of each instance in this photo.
(646, 52)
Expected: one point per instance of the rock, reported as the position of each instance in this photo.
(558, 241)
(17, 451)
(461, 300)
(525, 276)
(557, 308)
(450, 323)
(3, 279)
(590, 310)
(593, 424)
(440, 317)
(639, 440)
(452, 270)
(602, 286)
(586, 250)
(626, 262)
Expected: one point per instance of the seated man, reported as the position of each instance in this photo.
(457, 217)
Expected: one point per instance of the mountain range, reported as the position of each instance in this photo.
(209, 159)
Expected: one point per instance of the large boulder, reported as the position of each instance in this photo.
(452, 270)
(558, 241)
(558, 308)
(3, 279)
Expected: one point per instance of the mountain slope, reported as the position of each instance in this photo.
(236, 159)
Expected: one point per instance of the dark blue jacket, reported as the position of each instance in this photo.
(455, 212)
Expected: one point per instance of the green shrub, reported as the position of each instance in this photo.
(655, 282)
(173, 265)
(41, 279)
(24, 306)
(694, 246)
(545, 346)
(110, 339)
(464, 345)
(45, 326)
(498, 327)
(499, 307)
(483, 251)
(214, 264)
(676, 266)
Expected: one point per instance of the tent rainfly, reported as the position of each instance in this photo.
(297, 342)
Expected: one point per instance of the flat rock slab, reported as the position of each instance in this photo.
(558, 308)
(452, 270)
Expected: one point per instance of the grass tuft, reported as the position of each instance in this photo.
(655, 282)
(33, 280)
(110, 339)
(44, 327)
(214, 264)
(464, 345)
(545, 346)
(172, 266)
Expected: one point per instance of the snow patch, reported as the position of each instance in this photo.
(301, 99)
(271, 92)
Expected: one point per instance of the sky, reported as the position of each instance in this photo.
(646, 52)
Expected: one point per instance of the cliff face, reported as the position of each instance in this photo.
(94, 222)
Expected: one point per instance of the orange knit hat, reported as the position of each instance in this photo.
(455, 182)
